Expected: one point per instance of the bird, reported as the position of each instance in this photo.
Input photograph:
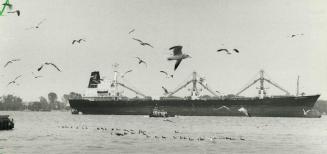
(236, 50)
(245, 111)
(36, 76)
(11, 61)
(14, 81)
(37, 26)
(223, 107)
(131, 31)
(305, 112)
(141, 61)
(165, 90)
(143, 43)
(126, 73)
(167, 75)
(79, 41)
(219, 50)
(47, 63)
(294, 35)
(16, 11)
(177, 55)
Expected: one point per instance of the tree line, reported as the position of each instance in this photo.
(15, 103)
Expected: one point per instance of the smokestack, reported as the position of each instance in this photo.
(94, 79)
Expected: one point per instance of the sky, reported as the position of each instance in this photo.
(260, 29)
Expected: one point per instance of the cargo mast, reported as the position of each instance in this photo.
(194, 89)
(262, 89)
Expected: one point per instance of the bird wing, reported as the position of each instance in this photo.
(148, 44)
(236, 50)
(18, 12)
(18, 77)
(177, 50)
(7, 63)
(164, 72)
(177, 63)
(73, 41)
(138, 40)
(166, 91)
(39, 69)
(55, 67)
(131, 31)
(10, 83)
(41, 22)
(139, 58)
(219, 50)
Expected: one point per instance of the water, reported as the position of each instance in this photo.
(40, 132)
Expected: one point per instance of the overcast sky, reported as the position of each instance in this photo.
(260, 29)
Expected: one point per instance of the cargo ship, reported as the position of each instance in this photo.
(111, 101)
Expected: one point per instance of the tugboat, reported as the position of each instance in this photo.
(158, 113)
(6, 123)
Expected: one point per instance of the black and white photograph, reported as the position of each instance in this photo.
(163, 76)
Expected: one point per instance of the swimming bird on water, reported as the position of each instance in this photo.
(14, 81)
(141, 61)
(143, 43)
(47, 63)
(78, 41)
(11, 61)
(16, 11)
(178, 55)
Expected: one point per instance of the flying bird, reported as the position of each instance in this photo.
(143, 43)
(47, 63)
(167, 75)
(165, 90)
(178, 55)
(37, 26)
(36, 76)
(220, 50)
(126, 73)
(141, 61)
(16, 11)
(14, 81)
(11, 61)
(305, 112)
(131, 31)
(78, 41)
(294, 35)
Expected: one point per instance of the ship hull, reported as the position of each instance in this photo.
(267, 107)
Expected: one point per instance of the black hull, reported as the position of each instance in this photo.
(267, 107)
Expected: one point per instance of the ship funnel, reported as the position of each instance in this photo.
(94, 79)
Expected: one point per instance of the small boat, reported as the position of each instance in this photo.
(158, 113)
(6, 123)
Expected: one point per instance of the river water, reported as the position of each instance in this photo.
(62, 132)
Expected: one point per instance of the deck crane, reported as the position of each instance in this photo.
(194, 90)
(262, 89)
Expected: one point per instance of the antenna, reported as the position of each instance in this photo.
(297, 85)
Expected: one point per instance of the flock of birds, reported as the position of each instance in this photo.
(177, 55)
(126, 132)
